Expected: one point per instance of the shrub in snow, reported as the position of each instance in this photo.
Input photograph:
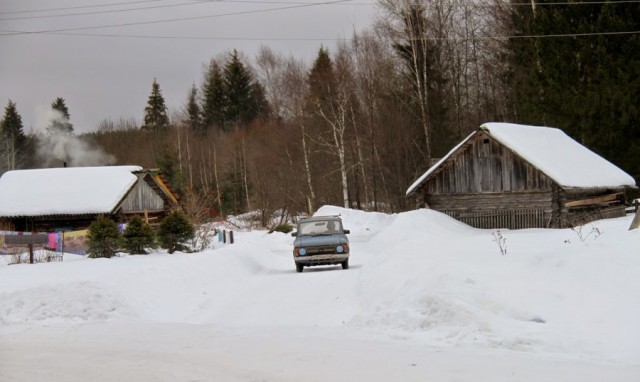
(102, 237)
(501, 241)
(39, 256)
(175, 232)
(203, 238)
(595, 231)
(137, 236)
(284, 228)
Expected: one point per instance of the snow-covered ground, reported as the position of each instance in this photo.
(426, 298)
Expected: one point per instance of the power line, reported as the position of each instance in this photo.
(101, 12)
(593, 34)
(143, 8)
(157, 7)
(79, 7)
(239, 1)
(200, 37)
(180, 18)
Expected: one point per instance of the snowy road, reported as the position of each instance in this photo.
(426, 298)
(181, 352)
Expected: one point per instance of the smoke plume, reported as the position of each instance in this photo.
(55, 148)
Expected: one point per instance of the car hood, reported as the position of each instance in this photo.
(313, 241)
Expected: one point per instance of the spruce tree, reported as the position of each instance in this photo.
(60, 124)
(103, 237)
(175, 232)
(585, 84)
(138, 236)
(12, 138)
(238, 82)
(213, 98)
(192, 110)
(258, 105)
(155, 113)
(169, 165)
(322, 81)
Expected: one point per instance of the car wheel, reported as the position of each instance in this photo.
(345, 264)
(299, 267)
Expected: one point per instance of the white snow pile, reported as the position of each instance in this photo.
(426, 298)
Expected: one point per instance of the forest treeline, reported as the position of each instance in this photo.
(356, 126)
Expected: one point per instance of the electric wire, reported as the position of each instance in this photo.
(68, 31)
(177, 19)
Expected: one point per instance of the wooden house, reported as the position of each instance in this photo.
(516, 176)
(70, 198)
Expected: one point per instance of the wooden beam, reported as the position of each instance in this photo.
(586, 202)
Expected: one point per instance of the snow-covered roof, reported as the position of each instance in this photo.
(64, 191)
(565, 161)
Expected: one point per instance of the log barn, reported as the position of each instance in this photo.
(70, 198)
(517, 176)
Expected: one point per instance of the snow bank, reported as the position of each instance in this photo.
(418, 276)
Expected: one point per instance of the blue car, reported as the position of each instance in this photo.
(320, 240)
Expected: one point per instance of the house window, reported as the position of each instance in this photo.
(485, 148)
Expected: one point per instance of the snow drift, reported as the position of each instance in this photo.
(418, 280)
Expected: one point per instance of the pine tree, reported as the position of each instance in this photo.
(12, 138)
(213, 98)
(238, 82)
(192, 110)
(322, 81)
(169, 165)
(60, 121)
(586, 85)
(258, 105)
(175, 232)
(102, 237)
(155, 113)
(138, 236)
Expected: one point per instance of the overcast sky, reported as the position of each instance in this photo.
(101, 56)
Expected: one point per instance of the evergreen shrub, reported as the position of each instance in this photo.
(284, 228)
(175, 232)
(103, 237)
(138, 236)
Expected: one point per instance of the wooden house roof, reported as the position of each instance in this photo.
(65, 191)
(565, 161)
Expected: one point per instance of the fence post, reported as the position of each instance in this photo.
(230, 237)
(224, 236)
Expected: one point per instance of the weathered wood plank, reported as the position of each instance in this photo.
(590, 201)
(484, 165)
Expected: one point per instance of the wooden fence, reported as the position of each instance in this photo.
(510, 219)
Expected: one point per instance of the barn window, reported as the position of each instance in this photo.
(485, 149)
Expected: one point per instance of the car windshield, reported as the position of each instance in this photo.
(319, 227)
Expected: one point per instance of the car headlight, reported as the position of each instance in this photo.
(302, 251)
(342, 249)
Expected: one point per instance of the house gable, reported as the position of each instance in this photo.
(142, 198)
(484, 165)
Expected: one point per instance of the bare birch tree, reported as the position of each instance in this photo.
(406, 25)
